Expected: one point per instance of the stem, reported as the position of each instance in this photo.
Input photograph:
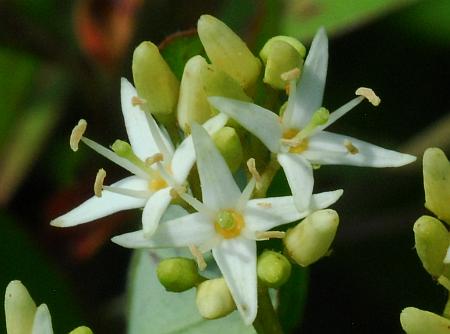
(267, 177)
(266, 321)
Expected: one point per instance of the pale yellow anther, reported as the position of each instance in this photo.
(98, 184)
(154, 159)
(201, 263)
(369, 94)
(291, 75)
(251, 165)
(77, 134)
(137, 101)
(265, 205)
(352, 149)
(270, 235)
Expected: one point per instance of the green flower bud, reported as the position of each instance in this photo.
(154, 80)
(81, 330)
(214, 299)
(219, 83)
(432, 241)
(292, 41)
(416, 321)
(279, 57)
(178, 274)
(229, 145)
(310, 239)
(273, 269)
(436, 180)
(19, 309)
(227, 51)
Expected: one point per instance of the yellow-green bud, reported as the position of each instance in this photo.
(436, 180)
(292, 41)
(416, 321)
(19, 309)
(279, 57)
(432, 241)
(178, 274)
(219, 83)
(310, 239)
(154, 80)
(81, 330)
(227, 51)
(193, 105)
(229, 145)
(273, 269)
(214, 299)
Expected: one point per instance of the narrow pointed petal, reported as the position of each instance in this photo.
(312, 81)
(161, 138)
(193, 229)
(263, 123)
(300, 178)
(263, 214)
(138, 130)
(219, 190)
(154, 209)
(42, 323)
(236, 259)
(109, 203)
(326, 148)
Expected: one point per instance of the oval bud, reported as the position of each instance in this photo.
(81, 330)
(292, 41)
(214, 299)
(436, 180)
(178, 274)
(432, 240)
(154, 80)
(19, 309)
(416, 321)
(229, 145)
(311, 238)
(227, 51)
(279, 57)
(273, 269)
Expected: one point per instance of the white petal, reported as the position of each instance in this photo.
(263, 214)
(154, 209)
(328, 148)
(109, 203)
(183, 160)
(219, 190)
(300, 178)
(161, 139)
(312, 81)
(193, 229)
(215, 123)
(263, 123)
(138, 130)
(236, 259)
(42, 323)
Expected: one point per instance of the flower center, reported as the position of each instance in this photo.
(229, 223)
(296, 146)
(157, 184)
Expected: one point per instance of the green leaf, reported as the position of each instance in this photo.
(151, 309)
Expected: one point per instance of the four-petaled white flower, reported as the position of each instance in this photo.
(297, 136)
(228, 222)
(150, 156)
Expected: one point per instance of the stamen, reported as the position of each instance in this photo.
(137, 101)
(175, 192)
(369, 94)
(265, 205)
(352, 149)
(251, 165)
(269, 235)
(154, 159)
(291, 74)
(98, 184)
(77, 133)
(128, 192)
(201, 263)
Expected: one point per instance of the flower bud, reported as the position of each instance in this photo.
(214, 299)
(416, 321)
(279, 56)
(311, 238)
(178, 274)
(227, 51)
(154, 80)
(19, 309)
(273, 269)
(432, 241)
(229, 145)
(81, 330)
(219, 83)
(436, 180)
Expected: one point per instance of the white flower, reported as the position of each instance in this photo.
(227, 222)
(298, 137)
(156, 166)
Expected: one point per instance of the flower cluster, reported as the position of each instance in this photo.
(214, 106)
